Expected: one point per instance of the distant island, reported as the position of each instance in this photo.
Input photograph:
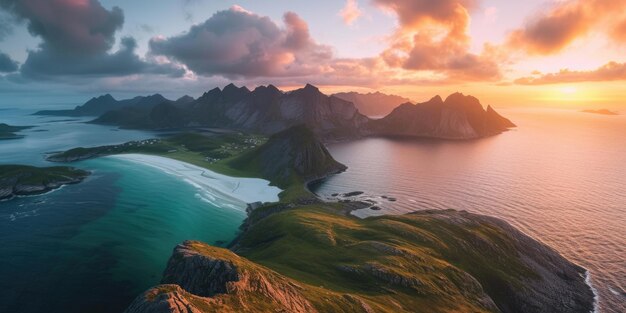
(22, 180)
(9, 132)
(303, 254)
(267, 110)
(601, 111)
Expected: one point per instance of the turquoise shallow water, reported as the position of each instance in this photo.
(94, 246)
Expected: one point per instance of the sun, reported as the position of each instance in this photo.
(569, 90)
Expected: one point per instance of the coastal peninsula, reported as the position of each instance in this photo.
(9, 132)
(22, 180)
(302, 254)
(601, 111)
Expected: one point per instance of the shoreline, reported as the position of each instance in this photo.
(596, 296)
(235, 191)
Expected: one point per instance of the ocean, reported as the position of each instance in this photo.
(95, 246)
(560, 177)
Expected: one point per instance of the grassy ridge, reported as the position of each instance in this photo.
(417, 260)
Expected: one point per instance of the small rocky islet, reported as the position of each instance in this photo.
(22, 180)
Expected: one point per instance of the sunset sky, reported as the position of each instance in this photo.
(556, 53)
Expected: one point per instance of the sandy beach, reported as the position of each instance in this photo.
(215, 188)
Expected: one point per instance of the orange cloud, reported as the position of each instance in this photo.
(433, 36)
(609, 72)
(351, 12)
(619, 32)
(563, 24)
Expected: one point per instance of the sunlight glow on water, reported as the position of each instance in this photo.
(559, 177)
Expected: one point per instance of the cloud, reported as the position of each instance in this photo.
(611, 71)
(553, 31)
(7, 65)
(351, 12)
(77, 36)
(433, 36)
(490, 15)
(6, 25)
(239, 43)
(71, 26)
(50, 63)
(619, 32)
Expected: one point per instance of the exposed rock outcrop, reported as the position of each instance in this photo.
(201, 278)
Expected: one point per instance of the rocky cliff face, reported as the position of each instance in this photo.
(268, 110)
(201, 278)
(458, 117)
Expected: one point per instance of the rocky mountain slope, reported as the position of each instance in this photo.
(374, 104)
(458, 117)
(294, 152)
(265, 110)
(21, 180)
(268, 110)
(314, 259)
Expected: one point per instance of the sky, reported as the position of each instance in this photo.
(549, 53)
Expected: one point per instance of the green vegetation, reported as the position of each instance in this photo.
(9, 132)
(317, 257)
(418, 260)
(233, 154)
(29, 180)
(304, 255)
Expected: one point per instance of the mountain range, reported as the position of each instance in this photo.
(268, 110)
(373, 104)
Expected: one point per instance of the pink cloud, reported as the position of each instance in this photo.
(351, 12)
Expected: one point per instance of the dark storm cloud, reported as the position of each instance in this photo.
(6, 25)
(44, 64)
(236, 42)
(7, 65)
(77, 38)
(70, 26)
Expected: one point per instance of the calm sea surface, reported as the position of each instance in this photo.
(559, 177)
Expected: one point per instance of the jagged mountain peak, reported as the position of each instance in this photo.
(311, 87)
(458, 98)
